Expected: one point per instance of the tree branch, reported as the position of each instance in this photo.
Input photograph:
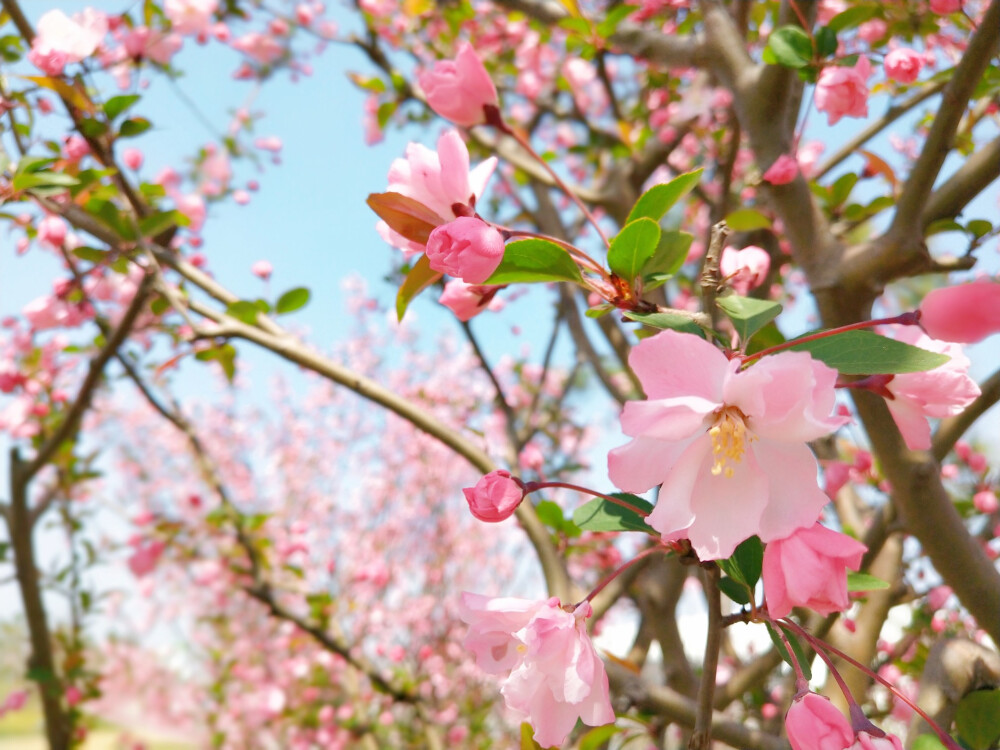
(968, 181)
(952, 428)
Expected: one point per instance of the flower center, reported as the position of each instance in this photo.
(729, 440)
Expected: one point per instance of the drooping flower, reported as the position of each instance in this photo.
(814, 723)
(556, 675)
(843, 91)
(964, 314)
(809, 569)
(467, 248)
(468, 300)
(495, 497)
(438, 179)
(941, 392)
(459, 89)
(727, 446)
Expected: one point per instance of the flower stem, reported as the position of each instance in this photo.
(906, 319)
(609, 578)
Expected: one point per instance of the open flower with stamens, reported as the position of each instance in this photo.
(727, 445)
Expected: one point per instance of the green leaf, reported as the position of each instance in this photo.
(118, 104)
(928, 742)
(419, 278)
(666, 320)
(90, 254)
(853, 17)
(155, 224)
(826, 41)
(671, 252)
(735, 590)
(746, 220)
(134, 126)
(603, 515)
(225, 355)
(534, 260)
(864, 582)
(745, 563)
(292, 300)
(29, 180)
(978, 228)
(840, 191)
(243, 311)
(551, 514)
(748, 314)
(633, 247)
(609, 25)
(791, 46)
(867, 353)
(977, 719)
(659, 199)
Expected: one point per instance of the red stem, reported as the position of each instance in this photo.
(608, 579)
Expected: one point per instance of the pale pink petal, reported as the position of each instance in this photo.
(679, 364)
(454, 167)
(912, 424)
(795, 497)
(667, 418)
(643, 463)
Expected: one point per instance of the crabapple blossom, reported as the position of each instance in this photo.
(61, 40)
(986, 502)
(190, 17)
(460, 89)
(843, 91)
(807, 569)
(556, 675)
(866, 741)
(495, 497)
(727, 446)
(903, 65)
(814, 723)
(943, 7)
(439, 180)
(782, 171)
(941, 392)
(467, 248)
(745, 269)
(262, 269)
(964, 314)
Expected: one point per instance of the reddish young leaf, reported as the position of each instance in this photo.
(404, 215)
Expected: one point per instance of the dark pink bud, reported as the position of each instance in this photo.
(467, 248)
(495, 497)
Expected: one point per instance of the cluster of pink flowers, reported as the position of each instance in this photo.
(814, 723)
(553, 673)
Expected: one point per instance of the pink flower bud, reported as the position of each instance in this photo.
(495, 497)
(986, 502)
(52, 231)
(467, 248)
(783, 171)
(903, 65)
(262, 269)
(73, 695)
(808, 569)
(459, 89)
(814, 723)
(964, 314)
(466, 300)
(866, 741)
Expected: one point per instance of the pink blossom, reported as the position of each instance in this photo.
(784, 169)
(943, 7)
(728, 446)
(557, 676)
(460, 89)
(259, 47)
(745, 269)
(143, 42)
(467, 248)
(14, 701)
(262, 269)
(73, 696)
(147, 553)
(814, 723)
(873, 30)
(495, 497)
(193, 207)
(61, 40)
(439, 180)
(52, 231)
(903, 65)
(132, 158)
(190, 16)
(808, 569)
(965, 314)
(467, 300)
(843, 91)
(941, 392)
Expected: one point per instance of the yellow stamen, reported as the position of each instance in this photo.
(729, 441)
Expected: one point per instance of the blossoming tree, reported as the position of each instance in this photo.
(781, 333)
